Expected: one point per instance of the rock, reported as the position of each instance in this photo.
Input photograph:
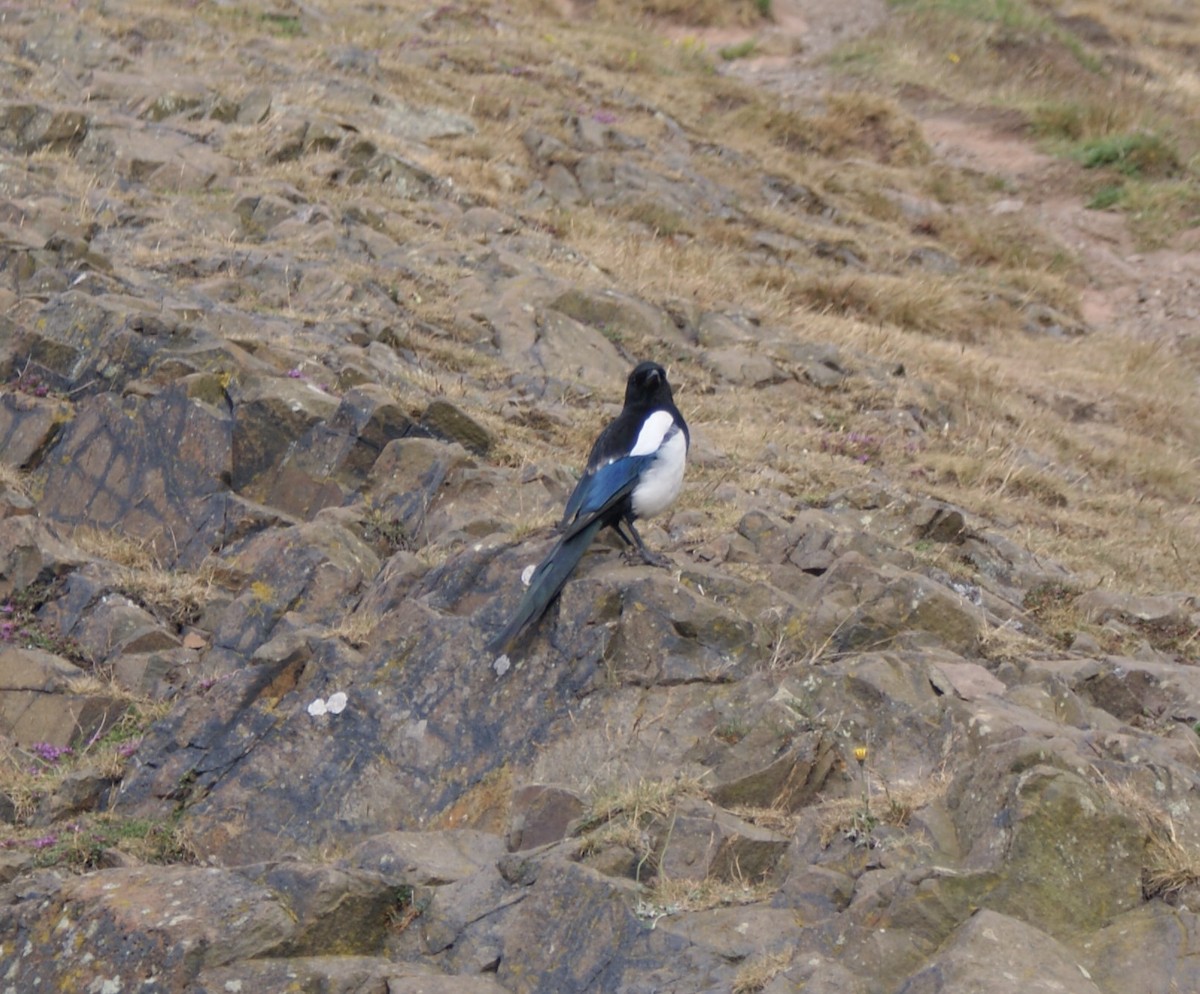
(80, 790)
(968, 680)
(346, 912)
(741, 369)
(752, 777)
(1046, 320)
(451, 423)
(161, 157)
(1100, 606)
(421, 859)
(567, 897)
(698, 639)
(1036, 831)
(315, 570)
(30, 127)
(31, 553)
(1147, 949)
(979, 959)
(436, 494)
(155, 470)
(337, 975)
(172, 921)
(507, 298)
(115, 626)
(304, 461)
(540, 814)
(615, 313)
(815, 893)
(46, 699)
(28, 427)
(860, 605)
(938, 522)
(700, 841)
(270, 414)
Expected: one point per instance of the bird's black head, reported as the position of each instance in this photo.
(647, 385)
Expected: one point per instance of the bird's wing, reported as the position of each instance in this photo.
(599, 491)
(616, 459)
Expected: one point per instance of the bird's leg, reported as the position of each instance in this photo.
(648, 557)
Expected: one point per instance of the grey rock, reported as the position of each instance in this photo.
(175, 920)
(427, 858)
(996, 954)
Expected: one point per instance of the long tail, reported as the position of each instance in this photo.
(547, 581)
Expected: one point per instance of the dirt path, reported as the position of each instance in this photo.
(1150, 295)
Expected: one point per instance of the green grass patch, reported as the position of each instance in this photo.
(1106, 197)
(741, 50)
(1009, 13)
(1137, 154)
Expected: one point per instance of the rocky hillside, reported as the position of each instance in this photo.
(310, 313)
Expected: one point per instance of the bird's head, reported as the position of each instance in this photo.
(647, 384)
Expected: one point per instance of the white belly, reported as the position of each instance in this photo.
(660, 484)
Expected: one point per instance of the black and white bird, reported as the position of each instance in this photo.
(635, 470)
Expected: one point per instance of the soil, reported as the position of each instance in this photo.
(1148, 295)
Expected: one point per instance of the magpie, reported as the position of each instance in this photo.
(635, 470)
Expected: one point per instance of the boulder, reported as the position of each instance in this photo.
(28, 426)
(171, 922)
(155, 470)
(45, 699)
(995, 954)
(422, 859)
(700, 841)
(31, 553)
(1150, 949)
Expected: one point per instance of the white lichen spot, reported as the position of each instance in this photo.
(335, 705)
(233, 986)
(501, 664)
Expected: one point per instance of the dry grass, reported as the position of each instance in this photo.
(13, 479)
(1169, 865)
(641, 800)
(677, 896)
(356, 629)
(883, 805)
(695, 13)
(175, 596)
(986, 391)
(28, 775)
(756, 973)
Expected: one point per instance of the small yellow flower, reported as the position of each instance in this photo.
(953, 57)
(860, 753)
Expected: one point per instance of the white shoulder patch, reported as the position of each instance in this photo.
(652, 434)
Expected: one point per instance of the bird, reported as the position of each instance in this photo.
(635, 470)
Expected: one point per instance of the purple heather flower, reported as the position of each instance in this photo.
(48, 752)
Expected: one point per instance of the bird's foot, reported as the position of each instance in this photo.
(648, 557)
